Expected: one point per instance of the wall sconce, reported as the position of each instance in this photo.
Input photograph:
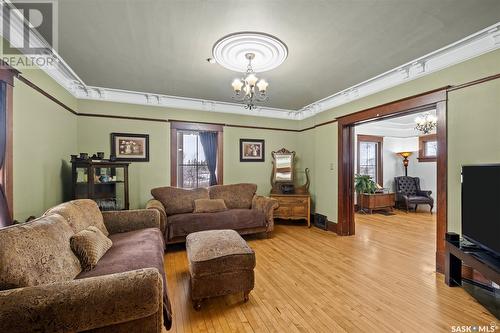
(405, 155)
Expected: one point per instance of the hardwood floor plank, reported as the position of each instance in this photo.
(310, 280)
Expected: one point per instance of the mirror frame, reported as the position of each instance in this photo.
(283, 151)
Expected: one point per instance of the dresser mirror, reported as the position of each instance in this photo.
(283, 174)
(283, 166)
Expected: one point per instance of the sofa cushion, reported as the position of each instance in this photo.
(235, 195)
(178, 200)
(183, 224)
(209, 205)
(134, 250)
(90, 245)
(80, 214)
(218, 251)
(37, 252)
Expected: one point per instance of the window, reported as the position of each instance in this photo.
(370, 157)
(192, 168)
(427, 148)
(196, 155)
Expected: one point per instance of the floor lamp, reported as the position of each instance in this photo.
(405, 155)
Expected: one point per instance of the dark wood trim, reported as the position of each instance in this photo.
(318, 125)
(173, 157)
(46, 94)
(442, 183)
(422, 154)
(95, 115)
(473, 83)
(196, 126)
(43, 92)
(380, 155)
(7, 74)
(434, 98)
(8, 169)
(176, 126)
(331, 226)
(345, 196)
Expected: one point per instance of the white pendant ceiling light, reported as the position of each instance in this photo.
(249, 53)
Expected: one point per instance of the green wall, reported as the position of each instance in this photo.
(472, 110)
(44, 137)
(473, 137)
(94, 135)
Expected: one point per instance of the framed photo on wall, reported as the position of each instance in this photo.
(252, 150)
(130, 147)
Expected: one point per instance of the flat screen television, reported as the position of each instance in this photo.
(481, 206)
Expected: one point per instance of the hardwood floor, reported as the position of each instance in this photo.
(310, 280)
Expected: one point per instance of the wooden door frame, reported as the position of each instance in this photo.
(435, 98)
(7, 75)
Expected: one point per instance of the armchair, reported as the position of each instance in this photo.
(408, 193)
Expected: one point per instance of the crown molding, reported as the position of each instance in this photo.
(472, 46)
(469, 47)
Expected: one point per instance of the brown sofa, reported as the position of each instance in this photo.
(247, 212)
(43, 288)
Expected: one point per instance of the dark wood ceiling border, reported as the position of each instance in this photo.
(69, 109)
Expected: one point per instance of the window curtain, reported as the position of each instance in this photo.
(4, 208)
(209, 143)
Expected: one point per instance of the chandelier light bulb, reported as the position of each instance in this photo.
(237, 84)
(262, 85)
(251, 79)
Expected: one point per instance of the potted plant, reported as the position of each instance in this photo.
(364, 186)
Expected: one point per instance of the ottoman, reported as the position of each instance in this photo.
(220, 263)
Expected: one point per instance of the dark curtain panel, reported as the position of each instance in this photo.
(209, 143)
(4, 209)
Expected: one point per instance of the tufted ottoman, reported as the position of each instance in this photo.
(220, 263)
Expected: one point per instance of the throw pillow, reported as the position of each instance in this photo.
(209, 205)
(90, 245)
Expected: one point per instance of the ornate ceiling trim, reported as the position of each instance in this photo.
(469, 47)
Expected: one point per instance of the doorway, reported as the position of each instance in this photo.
(435, 99)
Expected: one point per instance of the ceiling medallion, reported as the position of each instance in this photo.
(249, 52)
(426, 123)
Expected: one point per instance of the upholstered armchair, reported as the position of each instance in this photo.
(408, 193)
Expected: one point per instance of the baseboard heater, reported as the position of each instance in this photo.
(320, 221)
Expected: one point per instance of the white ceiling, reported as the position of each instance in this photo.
(398, 127)
(161, 46)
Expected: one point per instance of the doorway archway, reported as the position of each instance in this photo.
(433, 99)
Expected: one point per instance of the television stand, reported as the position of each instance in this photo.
(481, 260)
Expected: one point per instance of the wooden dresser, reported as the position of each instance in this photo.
(293, 207)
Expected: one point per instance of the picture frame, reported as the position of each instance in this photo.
(252, 150)
(130, 147)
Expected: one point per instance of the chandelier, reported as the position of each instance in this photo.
(426, 123)
(249, 53)
(249, 88)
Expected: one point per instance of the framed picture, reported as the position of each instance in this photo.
(130, 147)
(252, 150)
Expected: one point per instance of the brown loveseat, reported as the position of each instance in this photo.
(247, 213)
(43, 288)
